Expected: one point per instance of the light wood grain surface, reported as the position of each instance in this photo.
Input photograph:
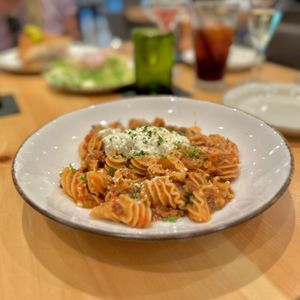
(40, 259)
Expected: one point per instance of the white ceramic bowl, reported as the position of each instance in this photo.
(266, 163)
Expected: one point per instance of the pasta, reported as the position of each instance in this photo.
(150, 172)
(161, 191)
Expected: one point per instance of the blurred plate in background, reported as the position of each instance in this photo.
(10, 62)
(277, 104)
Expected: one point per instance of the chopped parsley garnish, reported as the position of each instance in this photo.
(111, 171)
(160, 140)
(136, 188)
(83, 178)
(135, 194)
(141, 153)
(170, 219)
(132, 133)
(190, 199)
(192, 152)
(149, 134)
(176, 143)
(181, 132)
(71, 167)
(201, 160)
(163, 156)
(145, 142)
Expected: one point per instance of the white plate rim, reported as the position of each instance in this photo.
(291, 131)
(167, 236)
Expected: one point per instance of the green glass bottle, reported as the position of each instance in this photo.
(154, 59)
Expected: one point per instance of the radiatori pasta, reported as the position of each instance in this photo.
(151, 171)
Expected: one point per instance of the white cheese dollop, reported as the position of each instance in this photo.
(144, 140)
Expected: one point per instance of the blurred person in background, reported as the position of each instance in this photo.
(8, 28)
(56, 16)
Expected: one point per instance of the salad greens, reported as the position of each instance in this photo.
(69, 74)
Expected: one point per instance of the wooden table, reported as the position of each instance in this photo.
(40, 259)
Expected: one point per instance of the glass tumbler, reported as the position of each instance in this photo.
(213, 24)
(154, 58)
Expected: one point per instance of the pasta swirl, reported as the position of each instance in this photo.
(170, 166)
(198, 210)
(114, 162)
(97, 182)
(140, 164)
(125, 210)
(74, 185)
(161, 191)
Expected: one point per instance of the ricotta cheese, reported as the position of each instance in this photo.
(144, 140)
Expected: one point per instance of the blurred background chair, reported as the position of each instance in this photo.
(285, 46)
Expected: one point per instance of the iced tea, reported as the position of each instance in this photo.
(211, 46)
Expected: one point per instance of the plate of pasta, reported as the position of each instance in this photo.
(140, 168)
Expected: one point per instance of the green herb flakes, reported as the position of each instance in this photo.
(135, 194)
(71, 167)
(176, 144)
(83, 179)
(201, 160)
(141, 153)
(170, 219)
(111, 171)
(190, 199)
(159, 140)
(192, 152)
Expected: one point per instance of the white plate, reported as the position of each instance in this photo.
(239, 58)
(266, 167)
(276, 104)
(10, 62)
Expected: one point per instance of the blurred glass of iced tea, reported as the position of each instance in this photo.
(213, 25)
